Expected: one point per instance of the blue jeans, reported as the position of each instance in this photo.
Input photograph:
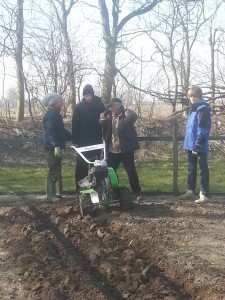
(192, 172)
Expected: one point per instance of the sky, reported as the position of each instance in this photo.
(90, 36)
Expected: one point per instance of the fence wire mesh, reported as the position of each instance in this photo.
(154, 161)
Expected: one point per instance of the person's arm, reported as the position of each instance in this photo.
(204, 124)
(68, 135)
(105, 121)
(51, 131)
(75, 125)
(102, 118)
(102, 107)
(131, 115)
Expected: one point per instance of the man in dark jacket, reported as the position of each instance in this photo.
(86, 129)
(121, 138)
(55, 136)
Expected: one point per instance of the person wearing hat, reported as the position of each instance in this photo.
(55, 136)
(121, 138)
(86, 129)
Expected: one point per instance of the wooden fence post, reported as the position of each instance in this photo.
(175, 157)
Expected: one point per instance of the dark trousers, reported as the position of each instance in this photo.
(54, 166)
(192, 172)
(127, 159)
(54, 170)
(81, 170)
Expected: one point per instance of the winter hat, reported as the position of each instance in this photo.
(88, 89)
(115, 100)
(51, 99)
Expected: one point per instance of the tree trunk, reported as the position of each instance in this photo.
(212, 41)
(110, 36)
(19, 63)
(109, 73)
(71, 75)
(63, 21)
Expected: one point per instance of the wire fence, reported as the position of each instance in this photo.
(161, 160)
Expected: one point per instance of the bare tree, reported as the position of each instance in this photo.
(111, 32)
(12, 30)
(177, 29)
(19, 62)
(63, 20)
(220, 61)
(212, 43)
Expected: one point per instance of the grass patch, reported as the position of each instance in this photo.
(24, 178)
(154, 177)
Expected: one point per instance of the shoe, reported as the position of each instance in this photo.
(139, 198)
(115, 195)
(53, 199)
(189, 195)
(202, 199)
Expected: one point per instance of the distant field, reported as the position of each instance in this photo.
(159, 109)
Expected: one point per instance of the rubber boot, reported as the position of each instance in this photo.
(50, 191)
(59, 187)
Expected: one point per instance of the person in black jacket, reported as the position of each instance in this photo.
(121, 138)
(55, 136)
(86, 129)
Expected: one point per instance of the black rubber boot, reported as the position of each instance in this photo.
(50, 191)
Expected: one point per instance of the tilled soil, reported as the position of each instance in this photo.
(161, 249)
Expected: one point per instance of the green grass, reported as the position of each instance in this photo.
(154, 177)
(30, 178)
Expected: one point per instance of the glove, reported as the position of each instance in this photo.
(194, 152)
(75, 145)
(58, 152)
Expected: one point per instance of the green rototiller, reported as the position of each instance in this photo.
(99, 187)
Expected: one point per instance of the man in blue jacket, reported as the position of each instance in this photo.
(196, 144)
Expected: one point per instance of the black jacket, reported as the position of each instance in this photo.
(55, 134)
(126, 130)
(86, 129)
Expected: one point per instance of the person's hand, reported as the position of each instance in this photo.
(127, 114)
(58, 152)
(102, 117)
(194, 152)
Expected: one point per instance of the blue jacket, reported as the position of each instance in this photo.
(55, 135)
(198, 127)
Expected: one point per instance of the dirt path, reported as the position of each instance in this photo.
(162, 249)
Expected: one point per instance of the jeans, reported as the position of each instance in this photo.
(192, 172)
(127, 159)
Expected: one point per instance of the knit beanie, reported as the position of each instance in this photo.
(88, 89)
(51, 99)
